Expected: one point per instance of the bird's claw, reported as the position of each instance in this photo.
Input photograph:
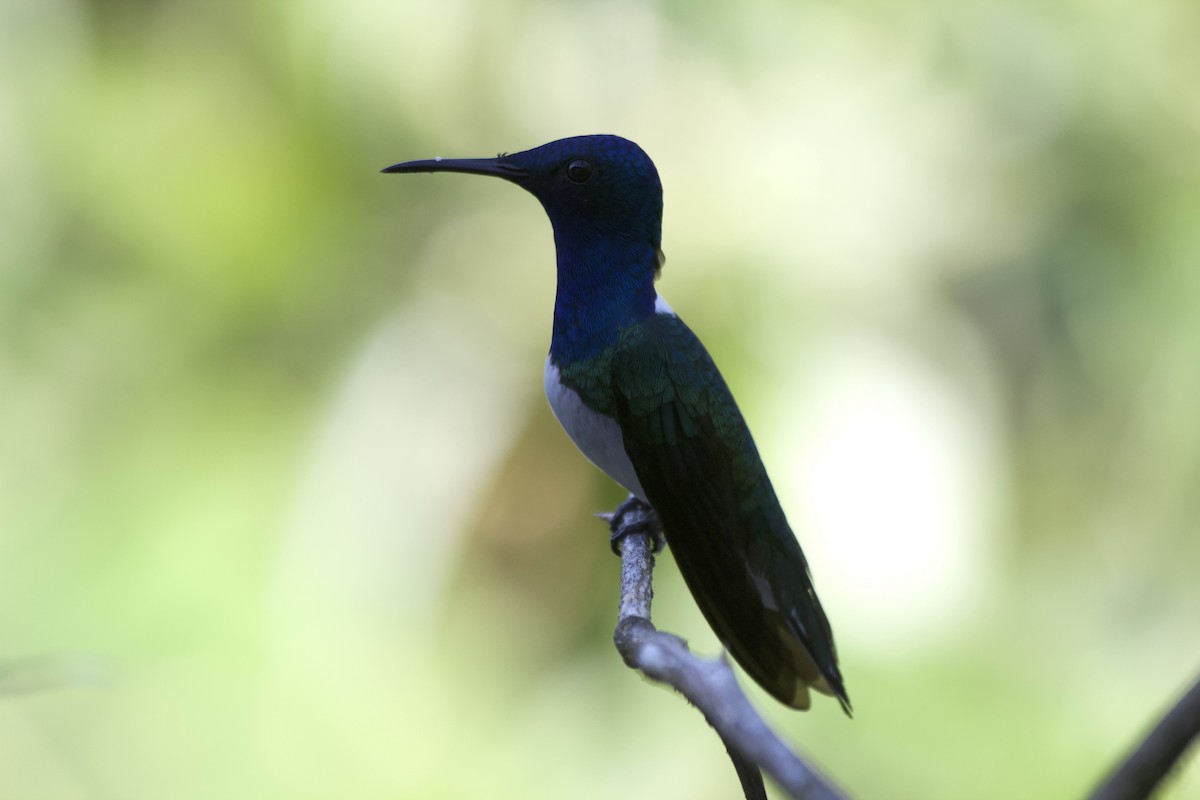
(634, 516)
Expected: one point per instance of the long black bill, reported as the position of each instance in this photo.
(473, 166)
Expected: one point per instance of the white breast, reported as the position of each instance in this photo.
(598, 437)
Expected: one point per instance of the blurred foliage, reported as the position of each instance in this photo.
(282, 510)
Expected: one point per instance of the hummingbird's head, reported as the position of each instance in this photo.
(589, 185)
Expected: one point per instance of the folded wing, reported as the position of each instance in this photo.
(701, 472)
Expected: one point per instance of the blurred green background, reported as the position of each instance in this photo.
(284, 514)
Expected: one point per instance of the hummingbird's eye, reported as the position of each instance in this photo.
(579, 171)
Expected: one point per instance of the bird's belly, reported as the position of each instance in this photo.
(598, 437)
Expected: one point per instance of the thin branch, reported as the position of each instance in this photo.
(708, 684)
(1158, 753)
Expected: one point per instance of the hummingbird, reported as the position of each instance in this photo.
(639, 395)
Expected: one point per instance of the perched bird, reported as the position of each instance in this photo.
(641, 397)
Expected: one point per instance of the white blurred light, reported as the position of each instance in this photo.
(893, 490)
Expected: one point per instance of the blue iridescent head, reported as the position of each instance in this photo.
(604, 201)
(589, 185)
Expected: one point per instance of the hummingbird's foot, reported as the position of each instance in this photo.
(634, 516)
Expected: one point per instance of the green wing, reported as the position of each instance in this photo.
(701, 472)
